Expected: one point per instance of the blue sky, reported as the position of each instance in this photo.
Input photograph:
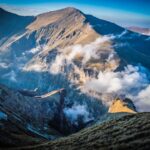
(122, 12)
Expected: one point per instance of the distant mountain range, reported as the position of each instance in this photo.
(64, 70)
(145, 31)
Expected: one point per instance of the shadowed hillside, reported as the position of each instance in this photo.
(129, 132)
(12, 23)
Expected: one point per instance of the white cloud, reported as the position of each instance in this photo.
(11, 76)
(82, 53)
(4, 65)
(130, 82)
(89, 51)
(57, 64)
(123, 81)
(38, 67)
(35, 50)
(77, 110)
(143, 100)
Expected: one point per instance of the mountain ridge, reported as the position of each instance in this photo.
(144, 31)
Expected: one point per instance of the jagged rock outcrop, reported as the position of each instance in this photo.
(119, 105)
(29, 114)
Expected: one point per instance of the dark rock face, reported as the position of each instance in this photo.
(130, 104)
(41, 113)
(61, 123)
(13, 135)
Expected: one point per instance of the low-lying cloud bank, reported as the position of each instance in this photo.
(133, 82)
(77, 111)
(84, 54)
(131, 78)
(143, 100)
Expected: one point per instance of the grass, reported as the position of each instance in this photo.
(128, 132)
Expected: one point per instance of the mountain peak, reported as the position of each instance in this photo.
(44, 19)
(120, 105)
(63, 11)
(70, 9)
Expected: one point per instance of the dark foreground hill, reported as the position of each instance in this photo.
(129, 132)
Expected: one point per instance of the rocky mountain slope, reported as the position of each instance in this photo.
(51, 116)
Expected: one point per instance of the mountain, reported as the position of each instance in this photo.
(70, 34)
(61, 70)
(144, 31)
